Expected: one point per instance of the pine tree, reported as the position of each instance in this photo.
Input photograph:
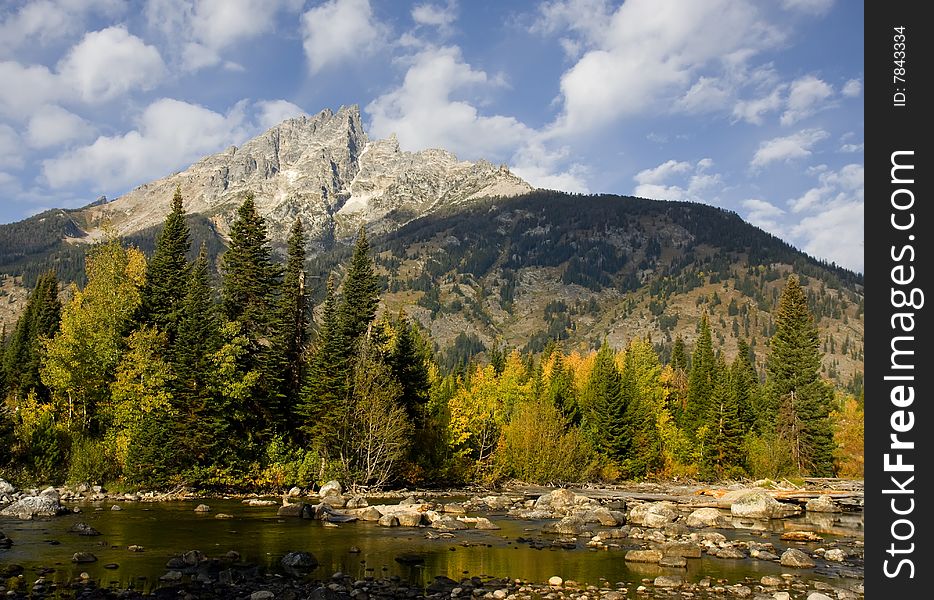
(701, 380)
(796, 395)
(22, 355)
(723, 451)
(408, 361)
(745, 382)
(294, 318)
(643, 397)
(251, 278)
(360, 291)
(605, 420)
(328, 378)
(560, 391)
(167, 274)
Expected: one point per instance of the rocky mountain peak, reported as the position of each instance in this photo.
(320, 168)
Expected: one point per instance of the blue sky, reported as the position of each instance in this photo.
(752, 106)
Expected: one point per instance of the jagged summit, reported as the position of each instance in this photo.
(321, 168)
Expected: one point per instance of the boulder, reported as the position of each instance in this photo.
(555, 581)
(454, 508)
(6, 487)
(643, 556)
(448, 524)
(409, 518)
(334, 500)
(202, 508)
(193, 558)
(703, 517)
(30, 507)
(758, 504)
(835, 555)
(299, 561)
(796, 559)
(295, 491)
(682, 549)
(82, 528)
(570, 525)
(356, 502)
(823, 504)
(653, 514)
(668, 581)
(486, 524)
(83, 557)
(259, 502)
(388, 521)
(331, 488)
(370, 513)
(296, 509)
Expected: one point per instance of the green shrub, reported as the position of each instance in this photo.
(91, 462)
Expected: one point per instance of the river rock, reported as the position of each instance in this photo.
(82, 528)
(684, 549)
(6, 487)
(83, 557)
(801, 536)
(653, 514)
(668, 581)
(643, 556)
(223, 516)
(30, 507)
(703, 517)
(796, 559)
(731, 552)
(193, 558)
(486, 524)
(331, 488)
(388, 521)
(202, 508)
(410, 518)
(448, 524)
(262, 595)
(557, 501)
(454, 508)
(824, 504)
(370, 513)
(771, 581)
(116, 507)
(835, 554)
(569, 525)
(259, 502)
(818, 596)
(296, 509)
(356, 502)
(299, 561)
(758, 504)
(295, 491)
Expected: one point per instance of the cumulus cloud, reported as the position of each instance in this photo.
(679, 181)
(805, 97)
(169, 134)
(852, 88)
(44, 21)
(784, 149)
(424, 111)
(273, 112)
(202, 30)
(811, 7)
(764, 214)
(25, 87)
(835, 233)
(339, 30)
(52, 125)
(436, 15)
(11, 155)
(649, 53)
(109, 63)
(544, 168)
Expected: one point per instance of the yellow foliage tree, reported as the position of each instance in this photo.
(848, 430)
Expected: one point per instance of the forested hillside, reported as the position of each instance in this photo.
(155, 372)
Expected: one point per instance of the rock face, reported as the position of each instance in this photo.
(322, 168)
(29, 507)
(758, 504)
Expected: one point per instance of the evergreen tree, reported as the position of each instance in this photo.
(327, 380)
(723, 451)
(679, 358)
(745, 382)
(360, 292)
(796, 395)
(643, 397)
(701, 380)
(22, 355)
(167, 273)
(294, 318)
(251, 278)
(408, 362)
(678, 397)
(560, 391)
(605, 420)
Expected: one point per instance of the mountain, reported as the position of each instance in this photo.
(322, 169)
(471, 251)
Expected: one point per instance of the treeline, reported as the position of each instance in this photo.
(153, 374)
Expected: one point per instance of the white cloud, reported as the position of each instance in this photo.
(812, 7)
(109, 63)
(170, 134)
(662, 172)
(11, 148)
(804, 98)
(273, 112)
(852, 88)
(202, 30)
(44, 21)
(339, 30)
(764, 214)
(543, 168)
(836, 234)
(852, 148)
(423, 112)
(25, 87)
(792, 147)
(700, 186)
(752, 111)
(435, 15)
(52, 125)
(649, 53)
